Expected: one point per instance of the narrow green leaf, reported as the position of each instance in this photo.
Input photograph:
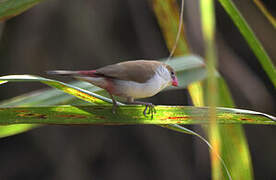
(189, 69)
(224, 96)
(2, 82)
(11, 8)
(70, 115)
(251, 39)
(208, 30)
(237, 159)
(10, 130)
(49, 97)
(67, 88)
(264, 10)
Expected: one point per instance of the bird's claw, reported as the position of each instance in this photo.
(151, 110)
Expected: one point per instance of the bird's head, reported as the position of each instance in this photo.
(173, 77)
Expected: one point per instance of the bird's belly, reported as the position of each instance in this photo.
(127, 89)
(137, 90)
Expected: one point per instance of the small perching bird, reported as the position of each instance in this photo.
(130, 79)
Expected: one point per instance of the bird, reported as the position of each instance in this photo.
(132, 80)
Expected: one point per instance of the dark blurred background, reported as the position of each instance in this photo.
(87, 34)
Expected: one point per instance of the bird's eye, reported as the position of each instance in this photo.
(172, 73)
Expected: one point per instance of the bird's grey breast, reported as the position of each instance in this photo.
(142, 90)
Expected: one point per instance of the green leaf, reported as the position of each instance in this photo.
(49, 97)
(2, 82)
(189, 69)
(10, 130)
(237, 159)
(251, 39)
(11, 8)
(71, 115)
(265, 12)
(67, 88)
(211, 96)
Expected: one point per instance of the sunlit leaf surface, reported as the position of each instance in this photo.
(15, 129)
(70, 115)
(67, 88)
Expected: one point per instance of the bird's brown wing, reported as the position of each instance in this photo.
(138, 71)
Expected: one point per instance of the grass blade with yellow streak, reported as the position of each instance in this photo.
(208, 30)
(127, 115)
(67, 88)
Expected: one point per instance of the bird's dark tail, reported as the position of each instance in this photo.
(63, 72)
(90, 73)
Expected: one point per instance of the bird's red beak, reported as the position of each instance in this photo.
(175, 82)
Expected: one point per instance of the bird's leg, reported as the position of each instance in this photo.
(114, 103)
(149, 106)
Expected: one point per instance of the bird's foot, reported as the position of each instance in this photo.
(151, 109)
